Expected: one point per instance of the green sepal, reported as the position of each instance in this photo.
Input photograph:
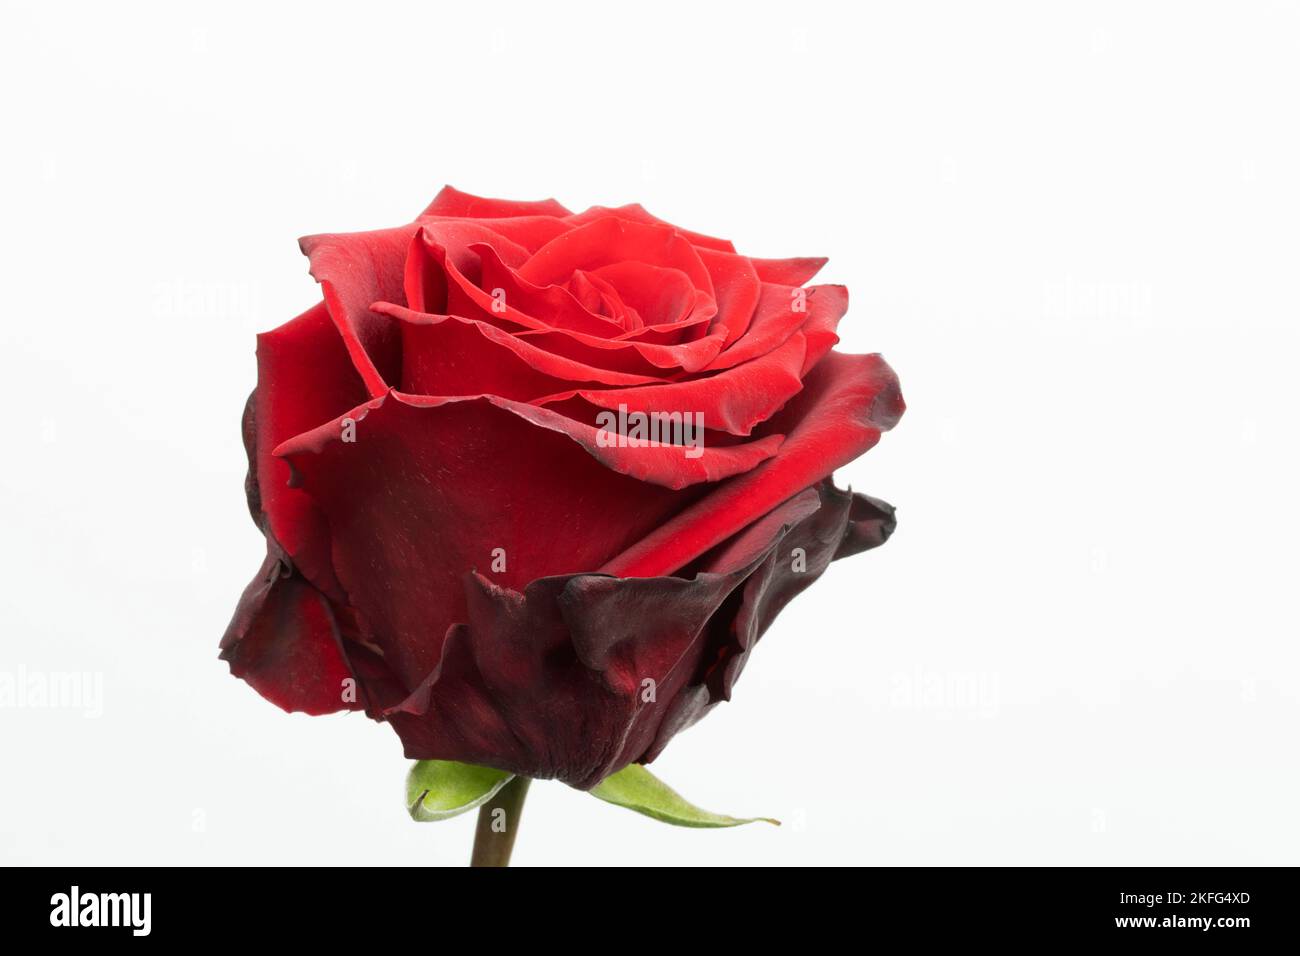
(638, 789)
(440, 789)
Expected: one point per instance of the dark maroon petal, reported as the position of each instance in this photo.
(430, 487)
(550, 682)
(578, 675)
(283, 641)
(793, 562)
(871, 522)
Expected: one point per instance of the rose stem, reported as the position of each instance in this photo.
(492, 848)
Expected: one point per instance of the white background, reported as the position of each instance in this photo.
(1071, 229)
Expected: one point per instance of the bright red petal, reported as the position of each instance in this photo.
(452, 202)
(847, 401)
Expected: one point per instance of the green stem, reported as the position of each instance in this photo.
(495, 836)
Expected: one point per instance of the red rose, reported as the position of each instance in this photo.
(468, 532)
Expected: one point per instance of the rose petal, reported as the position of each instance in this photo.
(547, 683)
(452, 202)
(529, 233)
(354, 270)
(430, 487)
(788, 271)
(283, 641)
(792, 563)
(305, 378)
(736, 290)
(601, 298)
(629, 355)
(660, 296)
(607, 241)
(578, 675)
(777, 318)
(470, 279)
(734, 400)
(635, 212)
(847, 401)
(536, 306)
(426, 338)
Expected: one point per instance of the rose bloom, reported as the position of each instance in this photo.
(491, 517)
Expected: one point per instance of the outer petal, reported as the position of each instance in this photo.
(548, 683)
(529, 233)
(285, 642)
(635, 212)
(354, 270)
(847, 401)
(452, 202)
(578, 675)
(788, 271)
(843, 524)
(305, 378)
(430, 487)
